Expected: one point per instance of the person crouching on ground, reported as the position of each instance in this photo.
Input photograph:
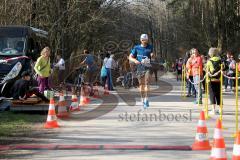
(21, 89)
(214, 66)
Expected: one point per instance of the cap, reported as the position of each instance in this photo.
(144, 37)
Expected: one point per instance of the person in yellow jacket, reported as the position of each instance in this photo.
(43, 69)
(214, 66)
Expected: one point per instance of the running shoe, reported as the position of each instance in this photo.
(213, 112)
(198, 102)
(145, 104)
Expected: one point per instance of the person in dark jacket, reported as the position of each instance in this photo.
(21, 89)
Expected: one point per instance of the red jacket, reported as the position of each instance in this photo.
(196, 65)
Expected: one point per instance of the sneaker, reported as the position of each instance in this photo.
(146, 104)
(197, 102)
(188, 95)
(212, 112)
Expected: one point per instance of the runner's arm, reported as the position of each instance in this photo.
(133, 55)
(83, 62)
(133, 59)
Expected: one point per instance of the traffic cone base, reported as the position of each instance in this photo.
(220, 152)
(96, 92)
(236, 147)
(218, 149)
(106, 92)
(236, 157)
(201, 146)
(62, 108)
(87, 100)
(74, 105)
(201, 138)
(82, 101)
(75, 109)
(96, 96)
(63, 115)
(51, 118)
(49, 125)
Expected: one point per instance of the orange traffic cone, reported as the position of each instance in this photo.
(106, 91)
(62, 107)
(74, 105)
(236, 148)
(87, 92)
(96, 92)
(218, 148)
(201, 139)
(51, 119)
(82, 97)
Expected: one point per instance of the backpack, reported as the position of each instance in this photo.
(217, 67)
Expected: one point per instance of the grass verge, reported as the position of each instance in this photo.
(13, 124)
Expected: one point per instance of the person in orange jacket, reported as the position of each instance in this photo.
(191, 89)
(197, 71)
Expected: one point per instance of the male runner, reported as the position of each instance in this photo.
(141, 56)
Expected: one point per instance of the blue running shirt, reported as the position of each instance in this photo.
(140, 52)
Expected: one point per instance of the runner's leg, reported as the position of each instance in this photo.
(147, 87)
(141, 88)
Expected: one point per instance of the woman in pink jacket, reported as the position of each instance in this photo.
(197, 71)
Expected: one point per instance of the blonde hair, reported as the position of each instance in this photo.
(213, 52)
(193, 50)
(44, 50)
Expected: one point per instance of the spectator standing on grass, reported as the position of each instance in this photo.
(60, 65)
(43, 69)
